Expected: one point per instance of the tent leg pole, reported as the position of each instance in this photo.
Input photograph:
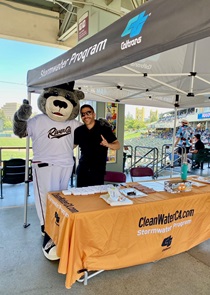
(193, 73)
(176, 105)
(26, 224)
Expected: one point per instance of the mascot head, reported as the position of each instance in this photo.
(60, 103)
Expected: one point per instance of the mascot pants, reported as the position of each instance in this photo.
(48, 178)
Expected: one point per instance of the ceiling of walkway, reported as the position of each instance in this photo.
(68, 10)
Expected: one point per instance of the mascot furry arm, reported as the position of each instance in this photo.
(20, 119)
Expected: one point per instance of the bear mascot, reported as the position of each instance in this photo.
(52, 135)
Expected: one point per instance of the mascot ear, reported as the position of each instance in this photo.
(79, 94)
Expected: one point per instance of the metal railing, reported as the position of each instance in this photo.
(127, 157)
(150, 157)
(133, 156)
(12, 149)
(146, 156)
(165, 154)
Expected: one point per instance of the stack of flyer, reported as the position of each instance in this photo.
(115, 198)
(89, 190)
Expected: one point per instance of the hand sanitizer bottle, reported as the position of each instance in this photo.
(184, 169)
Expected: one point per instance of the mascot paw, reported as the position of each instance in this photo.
(25, 111)
(49, 251)
(104, 122)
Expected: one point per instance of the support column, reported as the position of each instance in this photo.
(95, 15)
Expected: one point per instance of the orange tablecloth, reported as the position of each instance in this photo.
(92, 235)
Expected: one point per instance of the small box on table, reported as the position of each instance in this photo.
(177, 186)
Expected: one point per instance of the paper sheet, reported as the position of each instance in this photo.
(195, 183)
(202, 179)
(89, 190)
(122, 202)
(157, 186)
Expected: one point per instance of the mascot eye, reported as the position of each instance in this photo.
(73, 102)
(48, 94)
(55, 93)
(68, 97)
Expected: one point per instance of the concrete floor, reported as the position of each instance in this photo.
(24, 269)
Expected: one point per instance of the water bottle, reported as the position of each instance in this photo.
(184, 169)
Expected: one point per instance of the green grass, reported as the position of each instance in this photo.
(13, 153)
(12, 141)
(129, 135)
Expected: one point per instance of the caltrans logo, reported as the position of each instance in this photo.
(133, 30)
(135, 25)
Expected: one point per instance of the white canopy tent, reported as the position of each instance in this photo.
(157, 55)
(150, 55)
(156, 80)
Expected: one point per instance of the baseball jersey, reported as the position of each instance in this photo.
(52, 141)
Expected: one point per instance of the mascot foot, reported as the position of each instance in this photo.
(49, 251)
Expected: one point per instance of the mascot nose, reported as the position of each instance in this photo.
(60, 104)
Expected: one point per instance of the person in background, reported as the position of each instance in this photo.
(198, 145)
(198, 129)
(93, 138)
(184, 137)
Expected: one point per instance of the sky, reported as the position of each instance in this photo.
(16, 58)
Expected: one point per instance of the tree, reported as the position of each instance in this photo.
(137, 125)
(128, 124)
(8, 124)
(129, 116)
(2, 115)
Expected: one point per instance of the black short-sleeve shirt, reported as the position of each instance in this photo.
(199, 145)
(93, 155)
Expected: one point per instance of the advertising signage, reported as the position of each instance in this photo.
(204, 115)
